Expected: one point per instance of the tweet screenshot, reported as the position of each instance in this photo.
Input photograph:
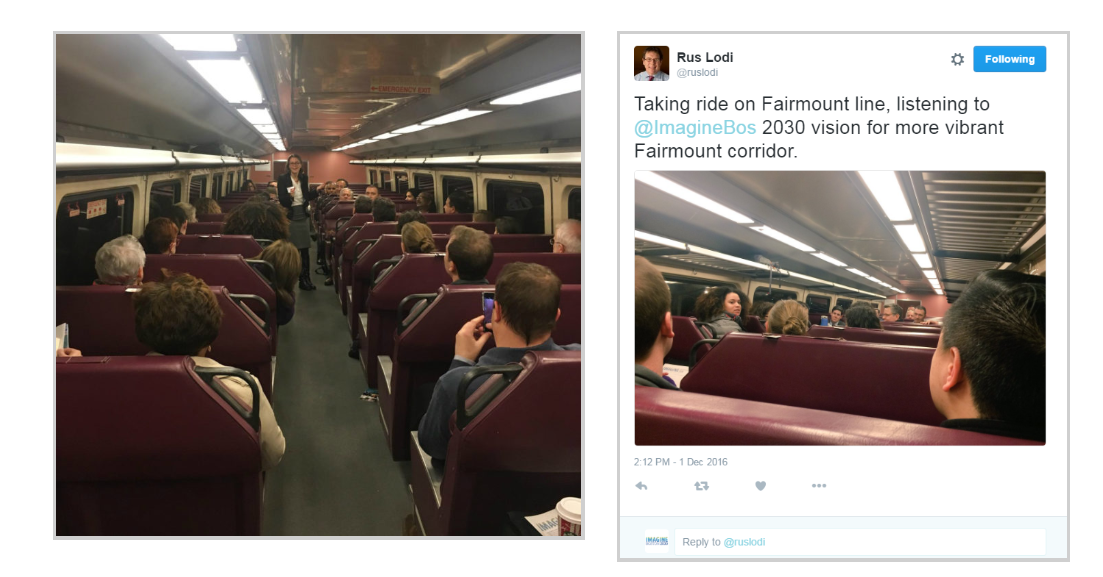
(833, 272)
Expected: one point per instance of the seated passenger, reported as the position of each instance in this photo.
(181, 316)
(568, 237)
(761, 308)
(459, 202)
(327, 188)
(179, 217)
(787, 317)
(287, 262)
(988, 374)
(920, 314)
(340, 184)
(120, 261)
(189, 212)
(417, 238)
(346, 194)
(507, 225)
(408, 217)
(654, 326)
(382, 209)
(410, 194)
(362, 205)
(468, 255)
(207, 206)
(372, 192)
(526, 308)
(482, 216)
(910, 315)
(861, 316)
(837, 319)
(720, 309)
(249, 186)
(891, 313)
(261, 220)
(426, 202)
(160, 237)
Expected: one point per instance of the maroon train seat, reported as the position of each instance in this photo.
(517, 450)
(814, 318)
(228, 270)
(867, 379)
(217, 217)
(666, 417)
(196, 228)
(358, 260)
(342, 208)
(521, 242)
(242, 244)
(446, 227)
(911, 327)
(424, 347)
(401, 206)
(101, 323)
(754, 325)
(146, 447)
(875, 336)
(442, 217)
(685, 335)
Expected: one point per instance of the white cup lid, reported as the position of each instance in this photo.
(570, 508)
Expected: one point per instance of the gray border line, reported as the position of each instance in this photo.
(1068, 326)
(582, 120)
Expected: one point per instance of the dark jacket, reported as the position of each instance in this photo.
(645, 377)
(433, 432)
(284, 182)
(1001, 428)
(461, 281)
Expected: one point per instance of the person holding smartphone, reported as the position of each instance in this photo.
(295, 196)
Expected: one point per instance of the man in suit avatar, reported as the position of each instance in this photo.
(652, 66)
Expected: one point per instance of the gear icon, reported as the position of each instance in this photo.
(957, 59)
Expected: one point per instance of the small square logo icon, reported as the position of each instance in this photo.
(656, 541)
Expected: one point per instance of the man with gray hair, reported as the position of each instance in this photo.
(568, 237)
(120, 261)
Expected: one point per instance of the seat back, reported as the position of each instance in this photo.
(875, 336)
(504, 459)
(146, 447)
(867, 379)
(217, 217)
(667, 417)
(754, 325)
(403, 205)
(201, 227)
(568, 267)
(685, 335)
(101, 323)
(446, 227)
(521, 242)
(342, 208)
(242, 244)
(442, 217)
(912, 328)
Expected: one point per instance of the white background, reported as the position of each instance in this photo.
(27, 410)
(862, 481)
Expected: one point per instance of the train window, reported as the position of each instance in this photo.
(79, 237)
(457, 184)
(162, 196)
(818, 303)
(371, 176)
(772, 295)
(521, 200)
(401, 182)
(683, 295)
(385, 177)
(843, 303)
(195, 189)
(574, 203)
(230, 182)
(423, 182)
(216, 186)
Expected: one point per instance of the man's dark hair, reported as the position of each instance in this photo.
(922, 308)
(264, 220)
(529, 296)
(862, 317)
(177, 316)
(346, 185)
(482, 216)
(508, 225)
(382, 209)
(999, 326)
(363, 205)
(178, 216)
(462, 202)
(652, 304)
(654, 49)
(408, 217)
(837, 308)
(471, 252)
(896, 310)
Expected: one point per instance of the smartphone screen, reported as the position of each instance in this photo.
(488, 307)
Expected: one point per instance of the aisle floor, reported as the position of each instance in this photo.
(337, 476)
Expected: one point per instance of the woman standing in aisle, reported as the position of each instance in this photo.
(295, 196)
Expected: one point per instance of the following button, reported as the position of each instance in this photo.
(1009, 59)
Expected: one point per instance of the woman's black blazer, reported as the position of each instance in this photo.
(284, 183)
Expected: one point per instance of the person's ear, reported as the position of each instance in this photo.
(557, 311)
(496, 317)
(667, 328)
(952, 374)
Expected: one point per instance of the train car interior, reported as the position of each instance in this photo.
(317, 378)
(873, 261)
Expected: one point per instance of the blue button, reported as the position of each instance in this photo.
(1009, 58)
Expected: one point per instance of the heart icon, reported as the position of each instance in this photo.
(760, 484)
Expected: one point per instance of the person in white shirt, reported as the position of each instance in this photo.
(652, 66)
(295, 196)
(180, 316)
